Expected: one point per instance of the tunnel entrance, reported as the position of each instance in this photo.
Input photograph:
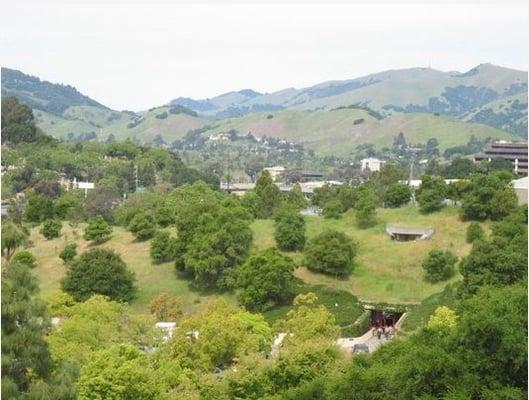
(384, 318)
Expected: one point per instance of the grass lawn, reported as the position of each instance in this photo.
(152, 278)
(386, 271)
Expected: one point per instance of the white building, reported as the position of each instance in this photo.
(520, 187)
(373, 164)
(275, 172)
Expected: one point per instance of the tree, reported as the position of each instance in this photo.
(330, 252)
(26, 258)
(68, 205)
(365, 207)
(268, 195)
(13, 236)
(51, 228)
(18, 124)
(347, 196)
(68, 253)
(102, 201)
(503, 203)
(97, 230)
(439, 265)
(296, 198)
(165, 307)
(474, 232)
(442, 318)
(397, 195)
(289, 230)
(39, 208)
(162, 247)
(332, 209)
(99, 271)
(25, 354)
(431, 193)
(265, 280)
(459, 168)
(143, 226)
(388, 176)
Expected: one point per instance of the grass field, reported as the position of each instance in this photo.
(152, 278)
(386, 271)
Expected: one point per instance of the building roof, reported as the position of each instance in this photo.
(397, 230)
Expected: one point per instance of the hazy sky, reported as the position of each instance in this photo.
(136, 56)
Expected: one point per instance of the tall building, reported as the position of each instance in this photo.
(515, 152)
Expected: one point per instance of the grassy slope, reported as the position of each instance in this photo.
(386, 271)
(334, 132)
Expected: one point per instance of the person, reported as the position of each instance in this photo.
(379, 332)
(389, 332)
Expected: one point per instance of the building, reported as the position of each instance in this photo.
(303, 176)
(520, 187)
(275, 172)
(373, 164)
(515, 152)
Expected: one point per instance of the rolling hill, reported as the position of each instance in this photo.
(487, 101)
(397, 91)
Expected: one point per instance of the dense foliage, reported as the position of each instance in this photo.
(289, 229)
(97, 230)
(439, 265)
(330, 252)
(99, 271)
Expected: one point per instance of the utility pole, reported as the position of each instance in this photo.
(229, 172)
(136, 177)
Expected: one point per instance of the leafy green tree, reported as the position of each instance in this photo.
(25, 354)
(162, 247)
(431, 193)
(51, 228)
(67, 205)
(143, 226)
(347, 196)
(266, 280)
(26, 258)
(474, 232)
(442, 318)
(503, 203)
(164, 216)
(268, 195)
(98, 230)
(13, 236)
(296, 198)
(69, 252)
(439, 265)
(365, 207)
(18, 124)
(459, 168)
(166, 307)
(388, 176)
(323, 194)
(397, 195)
(289, 229)
(39, 208)
(99, 271)
(332, 209)
(330, 252)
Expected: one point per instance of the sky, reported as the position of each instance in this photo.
(135, 56)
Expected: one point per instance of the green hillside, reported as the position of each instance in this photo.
(339, 131)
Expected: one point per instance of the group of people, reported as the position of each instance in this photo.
(381, 330)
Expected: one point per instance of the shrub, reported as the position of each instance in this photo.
(332, 209)
(165, 307)
(162, 247)
(69, 252)
(397, 195)
(26, 258)
(290, 230)
(265, 280)
(98, 230)
(51, 229)
(331, 252)
(439, 266)
(143, 226)
(474, 232)
(99, 271)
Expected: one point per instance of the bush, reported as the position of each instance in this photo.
(430, 201)
(39, 208)
(99, 271)
(265, 280)
(69, 252)
(165, 307)
(474, 232)
(331, 252)
(162, 247)
(332, 209)
(51, 229)
(290, 230)
(439, 266)
(365, 206)
(26, 258)
(98, 230)
(143, 226)
(397, 195)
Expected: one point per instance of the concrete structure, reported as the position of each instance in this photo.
(515, 152)
(415, 183)
(276, 172)
(373, 164)
(167, 328)
(409, 234)
(306, 187)
(520, 187)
